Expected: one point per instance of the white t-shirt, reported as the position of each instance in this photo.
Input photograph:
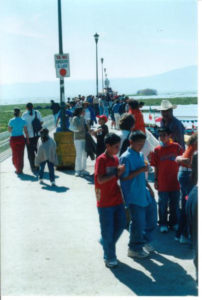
(28, 118)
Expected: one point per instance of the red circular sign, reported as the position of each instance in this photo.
(63, 72)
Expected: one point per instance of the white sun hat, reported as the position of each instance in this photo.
(166, 104)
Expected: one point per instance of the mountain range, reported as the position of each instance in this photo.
(178, 80)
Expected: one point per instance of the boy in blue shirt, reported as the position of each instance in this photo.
(139, 198)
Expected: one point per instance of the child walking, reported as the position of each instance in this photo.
(46, 155)
(109, 198)
(166, 169)
(139, 198)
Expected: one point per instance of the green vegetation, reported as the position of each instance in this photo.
(6, 112)
(146, 92)
(177, 101)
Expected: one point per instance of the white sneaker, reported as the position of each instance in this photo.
(111, 263)
(53, 183)
(78, 173)
(137, 254)
(163, 229)
(184, 240)
(149, 248)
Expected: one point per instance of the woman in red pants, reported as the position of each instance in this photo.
(17, 141)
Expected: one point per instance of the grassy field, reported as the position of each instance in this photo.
(6, 113)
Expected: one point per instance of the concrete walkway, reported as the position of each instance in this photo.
(50, 244)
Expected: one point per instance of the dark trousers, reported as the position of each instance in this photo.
(185, 188)
(50, 168)
(17, 144)
(170, 199)
(32, 150)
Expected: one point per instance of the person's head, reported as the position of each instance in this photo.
(78, 112)
(85, 104)
(133, 104)
(29, 107)
(137, 140)
(127, 122)
(112, 143)
(166, 109)
(102, 119)
(164, 135)
(193, 139)
(44, 134)
(16, 112)
(194, 165)
(52, 101)
(141, 104)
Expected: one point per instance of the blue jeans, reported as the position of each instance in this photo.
(171, 199)
(143, 222)
(112, 223)
(185, 187)
(50, 168)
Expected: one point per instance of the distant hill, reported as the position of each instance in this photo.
(184, 79)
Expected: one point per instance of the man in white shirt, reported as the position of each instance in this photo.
(29, 116)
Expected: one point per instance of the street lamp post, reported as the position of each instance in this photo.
(96, 36)
(102, 60)
(62, 87)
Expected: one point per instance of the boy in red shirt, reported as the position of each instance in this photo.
(109, 198)
(166, 170)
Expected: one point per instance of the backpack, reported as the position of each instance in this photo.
(36, 125)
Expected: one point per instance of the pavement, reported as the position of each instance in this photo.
(49, 244)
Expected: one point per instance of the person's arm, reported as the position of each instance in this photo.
(135, 173)
(9, 128)
(150, 189)
(185, 160)
(26, 134)
(105, 178)
(156, 178)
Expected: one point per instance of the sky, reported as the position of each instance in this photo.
(136, 37)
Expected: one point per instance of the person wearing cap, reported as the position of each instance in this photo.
(172, 123)
(100, 133)
(16, 126)
(163, 158)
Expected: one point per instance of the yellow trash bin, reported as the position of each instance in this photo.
(65, 150)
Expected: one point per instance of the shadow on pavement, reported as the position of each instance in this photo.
(165, 243)
(27, 177)
(164, 273)
(56, 189)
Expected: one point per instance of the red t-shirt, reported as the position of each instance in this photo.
(108, 193)
(163, 158)
(139, 120)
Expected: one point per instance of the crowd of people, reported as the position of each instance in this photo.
(124, 157)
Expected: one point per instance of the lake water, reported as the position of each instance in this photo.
(188, 114)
